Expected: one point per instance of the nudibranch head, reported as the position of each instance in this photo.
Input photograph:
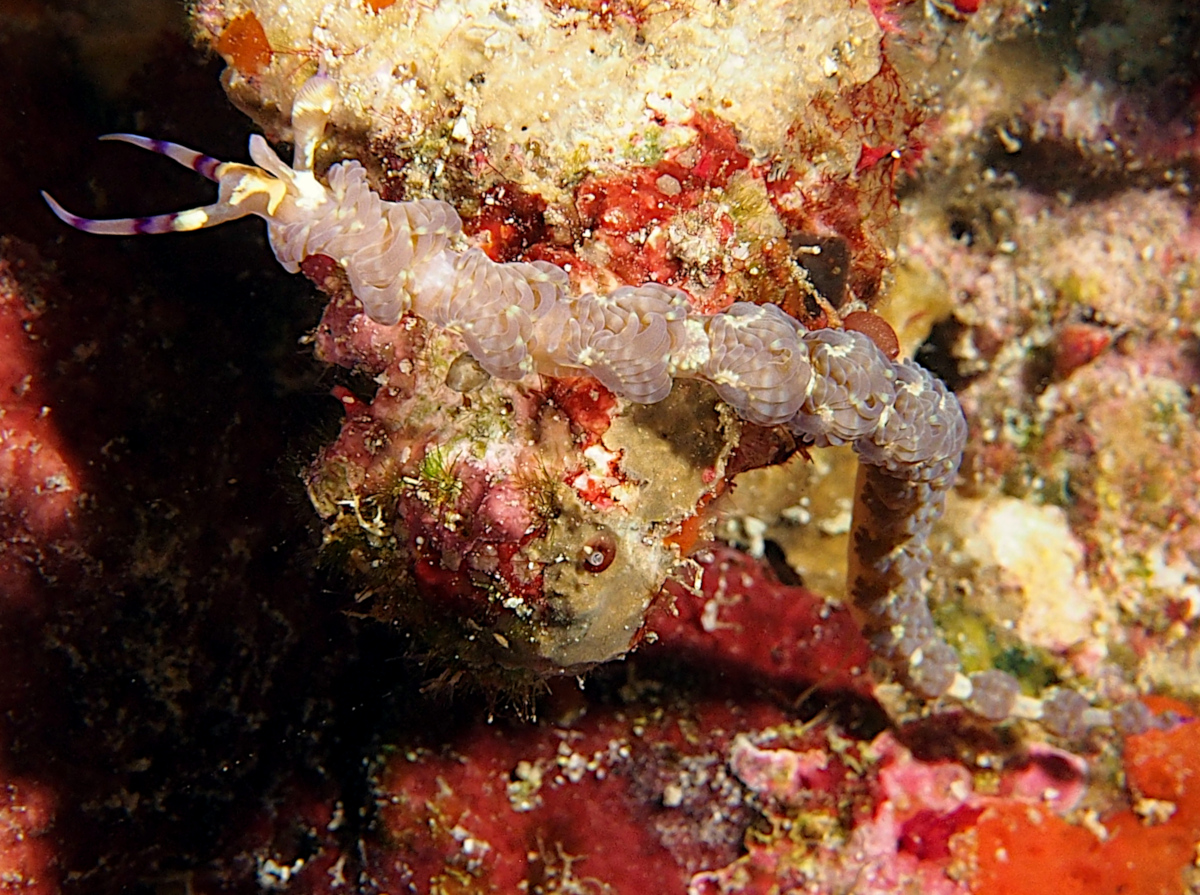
(269, 188)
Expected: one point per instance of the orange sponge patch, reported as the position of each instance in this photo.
(1020, 849)
(244, 45)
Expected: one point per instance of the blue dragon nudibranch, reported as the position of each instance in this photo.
(827, 386)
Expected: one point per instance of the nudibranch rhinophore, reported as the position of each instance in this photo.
(408, 265)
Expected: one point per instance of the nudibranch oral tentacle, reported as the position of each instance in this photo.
(269, 188)
(202, 164)
(827, 386)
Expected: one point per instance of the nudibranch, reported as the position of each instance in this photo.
(517, 319)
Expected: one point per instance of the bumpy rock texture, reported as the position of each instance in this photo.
(696, 146)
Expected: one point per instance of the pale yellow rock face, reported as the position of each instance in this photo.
(716, 147)
(1033, 551)
(558, 90)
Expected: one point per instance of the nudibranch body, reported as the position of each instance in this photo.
(407, 264)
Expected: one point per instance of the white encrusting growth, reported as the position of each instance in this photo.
(827, 386)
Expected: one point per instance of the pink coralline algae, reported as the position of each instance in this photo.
(909, 815)
(673, 783)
